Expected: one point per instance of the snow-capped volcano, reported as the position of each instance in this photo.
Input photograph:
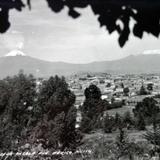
(15, 53)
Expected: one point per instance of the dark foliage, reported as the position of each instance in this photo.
(55, 115)
(92, 92)
(128, 120)
(148, 107)
(157, 96)
(47, 117)
(146, 14)
(150, 87)
(140, 123)
(125, 147)
(17, 96)
(92, 109)
(54, 97)
(92, 114)
(109, 124)
(147, 111)
(143, 91)
(114, 104)
(153, 137)
(118, 121)
(126, 91)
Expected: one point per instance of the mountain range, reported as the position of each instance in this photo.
(133, 64)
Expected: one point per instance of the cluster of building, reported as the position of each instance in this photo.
(114, 86)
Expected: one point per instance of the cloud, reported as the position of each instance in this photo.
(155, 51)
(13, 40)
(20, 45)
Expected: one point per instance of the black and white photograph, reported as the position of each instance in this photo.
(79, 79)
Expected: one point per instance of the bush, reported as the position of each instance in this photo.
(128, 120)
(146, 111)
(109, 124)
(140, 123)
(116, 105)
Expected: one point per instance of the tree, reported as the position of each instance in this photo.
(55, 116)
(150, 87)
(118, 121)
(92, 109)
(148, 107)
(125, 147)
(17, 96)
(92, 92)
(112, 100)
(126, 91)
(145, 13)
(71, 138)
(116, 104)
(153, 137)
(4, 95)
(92, 114)
(108, 85)
(148, 111)
(128, 120)
(48, 91)
(101, 81)
(122, 85)
(47, 117)
(142, 91)
(109, 124)
(141, 125)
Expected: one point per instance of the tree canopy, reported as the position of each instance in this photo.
(146, 14)
(148, 107)
(92, 109)
(28, 115)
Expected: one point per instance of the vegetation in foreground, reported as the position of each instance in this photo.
(42, 118)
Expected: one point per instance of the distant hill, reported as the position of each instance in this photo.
(142, 63)
(14, 61)
(10, 65)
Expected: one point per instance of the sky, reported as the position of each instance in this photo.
(46, 35)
